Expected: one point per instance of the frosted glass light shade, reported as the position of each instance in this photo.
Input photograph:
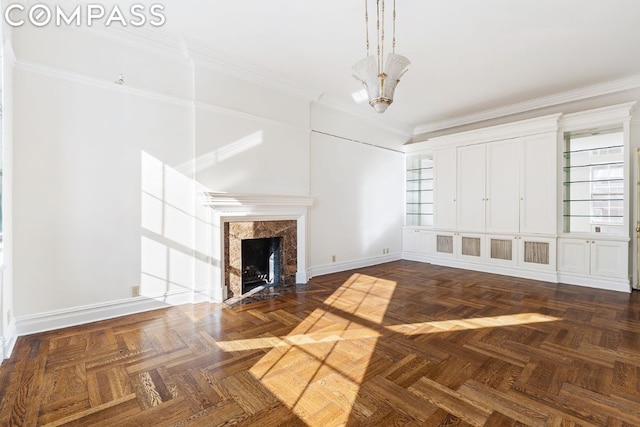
(380, 87)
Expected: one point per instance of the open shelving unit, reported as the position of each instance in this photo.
(419, 191)
(593, 184)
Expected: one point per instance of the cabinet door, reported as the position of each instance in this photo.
(574, 255)
(471, 246)
(610, 259)
(538, 190)
(537, 252)
(445, 244)
(445, 188)
(409, 240)
(502, 180)
(416, 241)
(424, 242)
(471, 188)
(502, 249)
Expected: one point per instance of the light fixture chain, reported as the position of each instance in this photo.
(366, 23)
(378, 33)
(382, 42)
(393, 43)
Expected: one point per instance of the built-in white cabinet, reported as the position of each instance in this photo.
(417, 244)
(530, 252)
(445, 244)
(471, 188)
(416, 241)
(502, 195)
(538, 184)
(445, 169)
(504, 186)
(520, 191)
(466, 246)
(585, 256)
(546, 198)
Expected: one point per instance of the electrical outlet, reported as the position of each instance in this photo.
(333, 258)
(135, 291)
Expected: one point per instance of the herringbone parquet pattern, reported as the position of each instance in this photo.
(402, 343)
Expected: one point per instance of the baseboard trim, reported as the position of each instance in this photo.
(543, 276)
(52, 320)
(7, 346)
(353, 264)
(610, 284)
(607, 283)
(412, 256)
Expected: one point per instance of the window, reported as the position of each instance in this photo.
(607, 194)
(593, 172)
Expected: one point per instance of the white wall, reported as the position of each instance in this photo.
(79, 139)
(359, 194)
(7, 319)
(105, 196)
(249, 139)
(634, 191)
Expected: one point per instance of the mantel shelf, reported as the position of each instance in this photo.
(228, 200)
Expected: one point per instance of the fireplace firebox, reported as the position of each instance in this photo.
(261, 262)
(280, 238)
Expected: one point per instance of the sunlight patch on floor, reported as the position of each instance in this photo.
(469, 324)
(360, 333)
(316, 370)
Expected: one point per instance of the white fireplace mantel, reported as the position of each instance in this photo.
(231, 201)
(229, 207)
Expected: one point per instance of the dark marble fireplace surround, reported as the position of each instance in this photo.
(236, 231)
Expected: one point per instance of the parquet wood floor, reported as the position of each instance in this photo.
(402, 343)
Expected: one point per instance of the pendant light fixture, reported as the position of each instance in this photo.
(378, 75)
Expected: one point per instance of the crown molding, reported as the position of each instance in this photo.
(154, 39)
(177, 47)
(606, 88)
(379, 121)
(522, 128)
(206, 56)
(613, 114)
(59, 73)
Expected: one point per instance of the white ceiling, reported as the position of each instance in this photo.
(466, 55)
